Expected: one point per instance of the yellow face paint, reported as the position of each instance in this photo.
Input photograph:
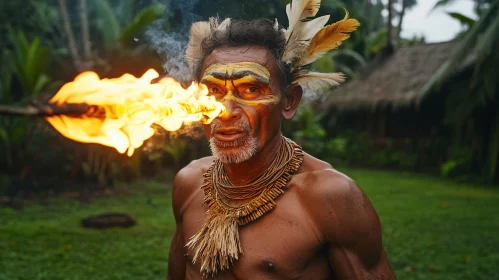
(273, 99)
(235, 69)
(234, 76)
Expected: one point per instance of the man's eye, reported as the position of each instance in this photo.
(252, 90)
(215, 91)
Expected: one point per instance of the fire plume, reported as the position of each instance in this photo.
(123, 109)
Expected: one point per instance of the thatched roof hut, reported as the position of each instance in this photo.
(398, 81)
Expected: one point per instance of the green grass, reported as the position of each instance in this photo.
(47, 241)
(432, 229)
(435, 229)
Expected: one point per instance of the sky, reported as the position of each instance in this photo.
(436, 26)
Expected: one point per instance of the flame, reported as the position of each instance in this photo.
(128, 107)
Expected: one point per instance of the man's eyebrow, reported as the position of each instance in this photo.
(214, 78)
(245, 73)
(217, 75)
(238, 75)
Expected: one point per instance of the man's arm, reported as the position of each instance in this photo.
(352, 230)
(176, 259)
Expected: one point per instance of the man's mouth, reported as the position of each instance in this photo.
(228, 134)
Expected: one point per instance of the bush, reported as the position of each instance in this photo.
(459, 164)
(306, 131)
(357, 149)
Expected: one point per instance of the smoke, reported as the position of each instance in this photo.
(169, 39)
(171, 47)
(171, 44)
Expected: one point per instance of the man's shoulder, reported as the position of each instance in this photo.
(188, 181)
(343, 217)
(330, 196)
(193, 170)
(320, 178)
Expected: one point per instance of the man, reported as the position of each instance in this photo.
(260, 207)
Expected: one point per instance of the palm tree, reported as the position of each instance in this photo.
(482, 40)
(480, 5)
(406, 5)
(389, 34)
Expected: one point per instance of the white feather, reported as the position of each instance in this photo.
(213, 23)
(199, 31)
(294, 11)
(307, 29)
(302, 33)
(298, 10)
(224, 25)
(319, 81)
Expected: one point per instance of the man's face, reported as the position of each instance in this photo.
(244, 79)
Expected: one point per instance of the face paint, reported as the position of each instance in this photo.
(273, 99)
(233, 76)
(239, 70)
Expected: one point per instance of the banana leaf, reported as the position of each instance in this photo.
(30, 61)
(140, 23)
(464, 20)
(485, 29)
(108, 24)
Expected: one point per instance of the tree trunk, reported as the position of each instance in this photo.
(367, 13)
(87, 63)
(401, 19)
(389, 26)
(73, 50)
(85, 36)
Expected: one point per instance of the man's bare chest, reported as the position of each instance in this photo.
(283, 244)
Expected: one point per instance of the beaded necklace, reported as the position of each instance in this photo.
(217, 244)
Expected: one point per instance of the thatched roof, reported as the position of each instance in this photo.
(397, 81)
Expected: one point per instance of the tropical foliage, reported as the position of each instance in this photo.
(51, 39)
(481, 41)
(46, 43)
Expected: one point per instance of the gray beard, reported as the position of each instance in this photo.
(242, 149)
(245, 149)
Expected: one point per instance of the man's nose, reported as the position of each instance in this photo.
(232, 111)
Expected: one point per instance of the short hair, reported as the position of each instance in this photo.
(260, 32)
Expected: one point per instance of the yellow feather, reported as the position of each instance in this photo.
(311, 8)
(303, 32)
(329, 38)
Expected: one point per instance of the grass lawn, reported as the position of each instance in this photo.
(47, 241)
(433, 229)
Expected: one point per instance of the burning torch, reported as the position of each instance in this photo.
(119, 112)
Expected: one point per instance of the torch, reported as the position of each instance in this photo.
(119, 112)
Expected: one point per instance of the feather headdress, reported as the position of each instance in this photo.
(307, 39)
(199, 31)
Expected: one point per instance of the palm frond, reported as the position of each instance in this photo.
(140, 22)
(487, 25)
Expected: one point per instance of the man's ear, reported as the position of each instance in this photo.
(292, 98)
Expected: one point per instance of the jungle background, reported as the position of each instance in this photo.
(416, 126)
